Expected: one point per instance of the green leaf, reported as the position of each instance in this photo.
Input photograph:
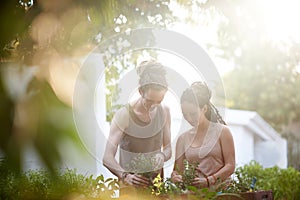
(100, 178)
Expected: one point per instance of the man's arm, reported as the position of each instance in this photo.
(109, 160)
(119, 123)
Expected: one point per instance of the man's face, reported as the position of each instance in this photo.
(152, 98)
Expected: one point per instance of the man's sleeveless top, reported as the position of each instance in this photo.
(141, 140)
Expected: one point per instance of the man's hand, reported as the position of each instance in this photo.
(136, 180)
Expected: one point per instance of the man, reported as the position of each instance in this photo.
(142, 127)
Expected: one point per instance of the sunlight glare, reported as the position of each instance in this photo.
(281, 18)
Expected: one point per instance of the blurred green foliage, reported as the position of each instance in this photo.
(266, 73)
(48, 121)
(40, 184)
(62, 29)
(283, 182)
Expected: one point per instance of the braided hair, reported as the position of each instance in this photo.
(152, 75)
(199, 94)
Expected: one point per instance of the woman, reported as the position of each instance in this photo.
(209, 143)
(142, 127)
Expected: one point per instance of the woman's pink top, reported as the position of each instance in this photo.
(209, 154)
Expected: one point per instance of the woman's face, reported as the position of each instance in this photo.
(151, 98)
(192, 113)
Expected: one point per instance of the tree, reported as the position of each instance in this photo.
(266, 74)
(38, 33)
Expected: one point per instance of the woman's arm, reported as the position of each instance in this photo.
(167, 150)
(179, 158)
(228, 152)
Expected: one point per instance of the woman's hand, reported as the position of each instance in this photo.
(136, 180)
(200, 182)
(175, 177)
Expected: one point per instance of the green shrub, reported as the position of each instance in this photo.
(41, 184)
(285, 183)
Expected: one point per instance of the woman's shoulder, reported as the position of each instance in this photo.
(226, 132)
(224, 127)
(219, 126)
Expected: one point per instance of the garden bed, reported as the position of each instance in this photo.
(272, 183)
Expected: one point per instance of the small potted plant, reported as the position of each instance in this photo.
(144, 165)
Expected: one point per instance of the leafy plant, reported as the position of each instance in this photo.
(243, 177)
(41, 184)
(144, 165)
(164, 187)
(284, 183)
(188, 174)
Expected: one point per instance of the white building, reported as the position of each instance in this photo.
(255, 139)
